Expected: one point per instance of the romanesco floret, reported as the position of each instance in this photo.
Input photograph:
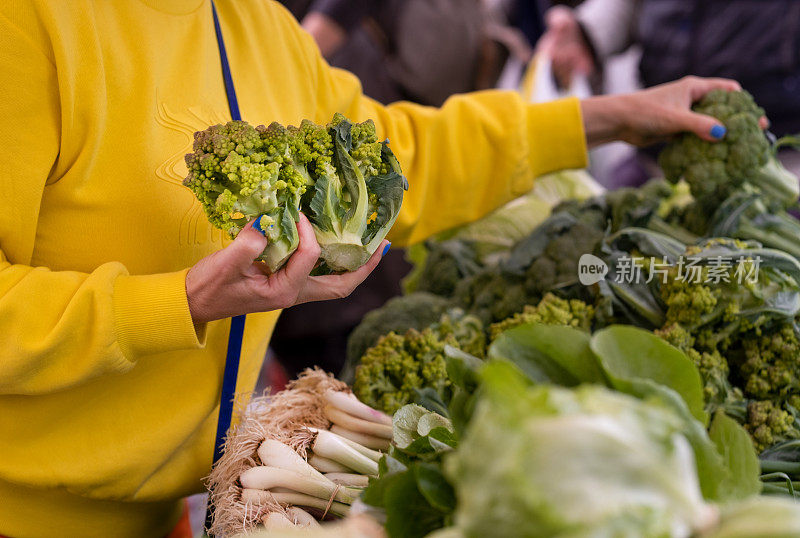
(551, 310)
(236, 177)
(415, 311)
(346, 181)
(390, 371)
(769, 424)
(771, 369)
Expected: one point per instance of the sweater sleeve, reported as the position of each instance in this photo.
(59, 328)
(465, 159)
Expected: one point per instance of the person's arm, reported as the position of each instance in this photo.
(481, 150)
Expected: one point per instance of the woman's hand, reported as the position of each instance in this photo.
(654, 114)
(230, 282)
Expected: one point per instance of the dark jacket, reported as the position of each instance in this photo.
(756, 42)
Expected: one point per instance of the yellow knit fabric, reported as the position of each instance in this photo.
(108, 397)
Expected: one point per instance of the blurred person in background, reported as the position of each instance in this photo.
(756, 43)
(414, 50)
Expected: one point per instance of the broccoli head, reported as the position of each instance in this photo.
(346, 181)
(492, 295)
(714, 169)
(390, 371)
(551, 310)
(712, 365)
(745, 157)
(445, 264)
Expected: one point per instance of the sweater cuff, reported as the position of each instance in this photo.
(151, 314)
(556, 136)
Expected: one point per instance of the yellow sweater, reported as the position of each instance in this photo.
(108, 397)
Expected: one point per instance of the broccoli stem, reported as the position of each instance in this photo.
(790, 468)
(746, 230)
(657, 224)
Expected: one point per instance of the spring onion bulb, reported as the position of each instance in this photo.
(257, 497)
(267, 478)
(324, 465)
(348, 403)
(301, 518)
(348, 479)
(366, 441)
(331, 446)
(276, 454)
(356, 424)
(276, 520)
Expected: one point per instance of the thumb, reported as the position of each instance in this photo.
(706, 127)
(248, 245)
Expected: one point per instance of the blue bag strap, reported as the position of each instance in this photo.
(237, 322)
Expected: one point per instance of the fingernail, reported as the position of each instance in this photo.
(718, 131)
(386, 249)
(257, 226)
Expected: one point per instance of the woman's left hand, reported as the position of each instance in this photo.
(653, 115)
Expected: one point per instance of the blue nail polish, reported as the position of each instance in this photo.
(386, 249)
(257, 226)
(718, 131)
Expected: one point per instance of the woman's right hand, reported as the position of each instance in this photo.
(230, 282)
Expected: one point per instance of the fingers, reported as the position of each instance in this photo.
(699, 87)
(304, 259)
(706, 127)
(247, 246)
(323, 288)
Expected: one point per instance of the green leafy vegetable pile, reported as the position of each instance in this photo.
(723, 203)
(603, 436)
(347, 182)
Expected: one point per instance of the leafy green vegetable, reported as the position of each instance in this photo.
(758, 517)
(628, 354)
(733, 444)
(549, 354)
(546, 461)
(640, 364)
(411, 488)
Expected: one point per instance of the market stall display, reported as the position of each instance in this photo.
(531, 397)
